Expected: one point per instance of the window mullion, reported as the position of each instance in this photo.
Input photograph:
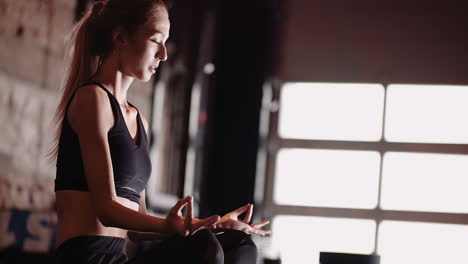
(376, 146)
(376, 214)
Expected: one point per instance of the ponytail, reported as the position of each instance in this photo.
(91, 41)
(81, 66)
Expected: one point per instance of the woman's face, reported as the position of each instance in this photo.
(141, 54)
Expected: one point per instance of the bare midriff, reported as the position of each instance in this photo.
(76, 216)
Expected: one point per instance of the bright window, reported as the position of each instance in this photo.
(425, 182)
(409, 243)
(331, 111)
(427, 113)
(300, 239)
(334, 178)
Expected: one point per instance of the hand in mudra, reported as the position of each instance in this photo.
(231, 222)
(187, 225)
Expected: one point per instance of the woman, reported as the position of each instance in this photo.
(102, 152)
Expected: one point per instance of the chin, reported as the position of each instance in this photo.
(143, 77)
(146, 78)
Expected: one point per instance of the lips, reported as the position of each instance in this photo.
(153, 68)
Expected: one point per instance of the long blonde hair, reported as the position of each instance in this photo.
(90, 42)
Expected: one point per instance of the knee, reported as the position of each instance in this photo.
(249, 246)
(239, 239)
(209, 246)
(238, 247)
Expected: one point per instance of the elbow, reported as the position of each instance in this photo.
(105, 220)
(103, 214)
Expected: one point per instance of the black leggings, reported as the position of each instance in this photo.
(231, 247)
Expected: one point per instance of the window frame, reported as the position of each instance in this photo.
(271, 144)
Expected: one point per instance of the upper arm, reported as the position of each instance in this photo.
(142, 207)
(91, 118)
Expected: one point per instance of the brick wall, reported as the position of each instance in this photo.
(32, 35)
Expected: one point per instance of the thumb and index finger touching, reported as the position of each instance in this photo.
(189, 214)
(255, 228)
(247, 209)
(188, 201)
(177, 208)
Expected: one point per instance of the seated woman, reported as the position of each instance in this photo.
(103, 163)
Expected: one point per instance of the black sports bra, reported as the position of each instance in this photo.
(130, 160)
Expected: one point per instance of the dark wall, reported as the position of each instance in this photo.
(375, 41)
(243, 60)
(329, 41)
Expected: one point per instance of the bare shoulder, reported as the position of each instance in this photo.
(90, 108)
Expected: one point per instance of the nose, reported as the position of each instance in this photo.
(162, 53)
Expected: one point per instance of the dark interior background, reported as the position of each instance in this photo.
(249, 43)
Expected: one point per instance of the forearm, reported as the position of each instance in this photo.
(117, 215)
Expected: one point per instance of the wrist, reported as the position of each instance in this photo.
(167, 227)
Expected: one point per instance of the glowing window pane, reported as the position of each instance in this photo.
(332, 178)
(331, 111)
(427, 113)
(300, 239)
(425, 182)
(409, 243)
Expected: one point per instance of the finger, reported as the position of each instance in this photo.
(210, 227)
(239, 211)
(205, 223)
(260, 224)
(189, 216)
(177, 208)
(248, 215)
(259, 232)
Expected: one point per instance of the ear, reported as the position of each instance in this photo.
(120, 36)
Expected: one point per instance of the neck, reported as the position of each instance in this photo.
(110, 75)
